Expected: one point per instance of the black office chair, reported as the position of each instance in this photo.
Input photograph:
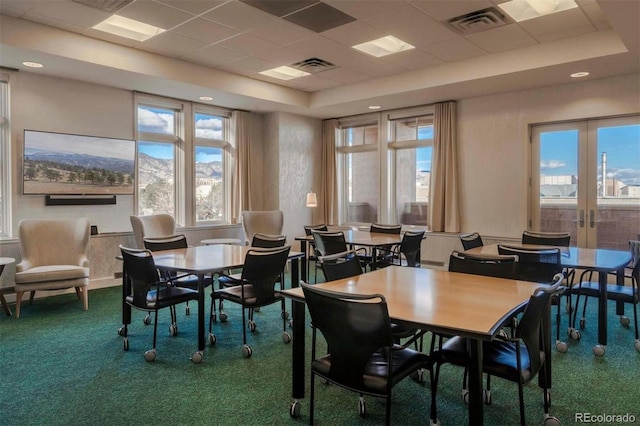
(313, 255)
(362, 356)
(173, 242)
(587, 287)
(331, 242)
(518, 359)
(471, 240)
(408, 252)
(539, 265)
(260, 273)
(149, 292)
(384, 254)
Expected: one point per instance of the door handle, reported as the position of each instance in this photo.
(592, 219)
(581, 219)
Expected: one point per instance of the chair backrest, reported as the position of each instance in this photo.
(142, 273)
(488, 265)
(54, 242)
(270, 222)
(329, 242)
(538, 265)
(530, 325)
(156, 225)
(410, 247)
(308, 228)
(358, 326)
(471, 240)
(262, 269)
(268, 241)
(381, 228)
(165, 243)
(341, 265)
(560, 239)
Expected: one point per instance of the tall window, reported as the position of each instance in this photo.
(157, 146)
(360, 172)
(209, 159)
(411, 146)
(5, 157)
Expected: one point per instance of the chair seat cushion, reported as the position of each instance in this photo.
(234, 294)
(229, 280)
(51, 273)
(166, 296)
(405, 361)
(499, 357)
(622, 293)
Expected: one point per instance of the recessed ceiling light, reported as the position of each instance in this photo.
(284, 73)
(129, 28)
(206, 98)
(32, 64)
(374, 106)
(383, 46)
(579, 74)
(522, 10)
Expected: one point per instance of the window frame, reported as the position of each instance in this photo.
(5, 153)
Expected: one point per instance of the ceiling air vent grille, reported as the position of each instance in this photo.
(313, 65)
(481, 20)
(106, 5)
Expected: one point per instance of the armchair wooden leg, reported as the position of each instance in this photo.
(79, 293)
(85, 297)
(18, 301)
(31, 297)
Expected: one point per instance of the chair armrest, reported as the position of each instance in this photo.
(24, 265)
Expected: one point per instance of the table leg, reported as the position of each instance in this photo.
(476, 403)
(374, 258)
(602, 308)
(306, 264)
(201, 303)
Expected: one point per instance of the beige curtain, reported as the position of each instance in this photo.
(444, 197)
(329, 172)
(241, 176)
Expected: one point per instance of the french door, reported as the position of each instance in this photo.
(586, 181)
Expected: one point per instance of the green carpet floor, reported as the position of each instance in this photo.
(61, 365)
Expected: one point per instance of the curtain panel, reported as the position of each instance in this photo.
(241, 158)
(329, 193)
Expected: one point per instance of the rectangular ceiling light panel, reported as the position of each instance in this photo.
(129, 28)
(284, 73)
(522, 10)
(383, 46)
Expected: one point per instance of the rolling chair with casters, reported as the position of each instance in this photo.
(261, 270)
(371, 367)
(331, 242)
(407, 253)
(178, 241)
(149, 292)
(517, 359)
(312, 245)
(384, 254)
(619, 293)
(471, 240)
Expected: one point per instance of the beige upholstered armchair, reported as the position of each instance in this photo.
(54, 257)
(156, 225)
(270, 222)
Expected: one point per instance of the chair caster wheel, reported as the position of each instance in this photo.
(625, 321)
(247, 351)
(286, 337)
(420, 376)
(434, 422)
(252, 326)
(125, 344)
(197, 357)
(598, 350)
(150, 355)
(551, 421)
(187, 310)
(147, 320)
(583, 323)
(637, 345)
(212, 339)
(122, 331)
(562, 347)
(173, 330)
(223, 317)
(362, 408)
(574, 334)
(294, 409)
(284, 315)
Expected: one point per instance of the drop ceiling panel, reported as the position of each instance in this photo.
(354, 33)
(280, 8)
(363, 9)
(545, 27)
(425, 35)
(16, 7)
(399, 19)
(195, 7)
(345, 75)
(376, 68)
(329, 50)
(74, 14)
(443, 10)
(240, 16)
(319, 17)
(154, 13)
(502, 39)
(312, 83)
(281, 32)
(205, 30)
(173, 44)
(413, 59)
(457, 49)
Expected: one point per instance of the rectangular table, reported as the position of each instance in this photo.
(473, 306)
(202, 261)
(373, 240)
(601, 260)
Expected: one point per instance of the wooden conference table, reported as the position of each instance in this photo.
(601, 260)
(373, 240)
(447, 302)
(202, 261)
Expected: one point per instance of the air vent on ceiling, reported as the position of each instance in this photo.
(481, 20)
(313, 65)
(106, 5)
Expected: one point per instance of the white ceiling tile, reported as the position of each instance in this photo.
(263, 49)
(173, 44)
(413, 59)
(53, 22)
(353, 33)
(154, 13)
(396, 19)
(454, 50)
(425, 35)
(240, 16)
(556, 23)
(501, 39)
(445, 10)
(76, 14)
(281, 32)
(205, 30)
(329, 50)
(376, 67)
(195, 7)
(361, 9)
(16, 8)
(345, 75)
